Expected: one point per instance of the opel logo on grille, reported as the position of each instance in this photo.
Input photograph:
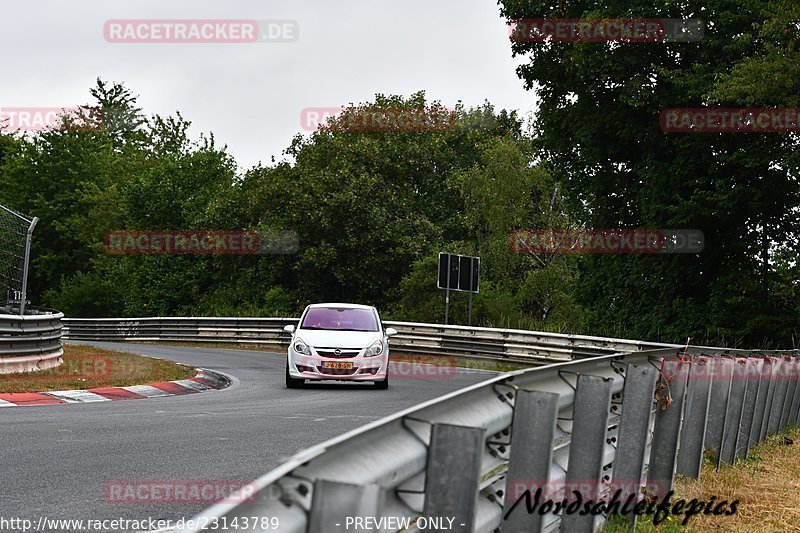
(337, 351)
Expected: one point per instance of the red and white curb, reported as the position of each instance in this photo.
(202, 382)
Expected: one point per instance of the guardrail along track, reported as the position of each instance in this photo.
(30, 342)
(622, 422)
(606, 417)
(505, 344)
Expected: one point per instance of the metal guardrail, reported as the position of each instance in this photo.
(488, 343)
(30, 342)
(619, 423)
(624, 422)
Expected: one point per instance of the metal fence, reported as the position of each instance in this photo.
(30, 342)
(485, 343)
(16, 231)
(608, 428)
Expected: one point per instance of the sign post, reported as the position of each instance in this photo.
(469, 323)
(447, 293)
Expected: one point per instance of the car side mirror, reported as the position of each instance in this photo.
(288, 329)
(391, 332)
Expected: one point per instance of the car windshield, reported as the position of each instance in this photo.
(341, 319)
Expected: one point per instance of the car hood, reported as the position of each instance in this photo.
(338, 339)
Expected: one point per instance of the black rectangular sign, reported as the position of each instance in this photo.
(458, 272)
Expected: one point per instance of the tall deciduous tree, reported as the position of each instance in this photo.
(598, 124)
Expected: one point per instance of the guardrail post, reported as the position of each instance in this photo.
(666, 432)
(693, 432)
(749, 407)
(786, 371)
(718, 402)
(733, 415)
(772, 366)
(335, 505)
(634, 425)
(796, 398)
(453, 474)
(760, 412)
(531, 454)
(587, 446)
(791, 381)
(773, 426)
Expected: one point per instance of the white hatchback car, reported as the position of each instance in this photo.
(341, 342)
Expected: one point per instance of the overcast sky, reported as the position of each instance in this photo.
(251, 95)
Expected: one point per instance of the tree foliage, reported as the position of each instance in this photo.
(598, 126)
(372, 208)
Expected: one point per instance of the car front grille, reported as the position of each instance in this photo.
(345, 353)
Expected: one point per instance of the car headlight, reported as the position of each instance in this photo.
(376, 348)
(301, 347)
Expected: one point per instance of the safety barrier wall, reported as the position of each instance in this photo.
(627, 422)
(30, 342)
(605, 416)
(506, 344)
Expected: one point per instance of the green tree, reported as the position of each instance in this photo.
(368, 204)
(598, 124)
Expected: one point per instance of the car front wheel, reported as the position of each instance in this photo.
(292, 383)
(382, 385)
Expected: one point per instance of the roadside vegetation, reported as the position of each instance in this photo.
(372, 209)
(86, 367)
(767, 485)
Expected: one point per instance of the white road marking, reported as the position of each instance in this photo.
(147, 390)
(78, 396)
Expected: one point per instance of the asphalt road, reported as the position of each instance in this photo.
(56, 459)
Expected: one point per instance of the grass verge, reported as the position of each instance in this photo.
(86, 367)
(767, 485)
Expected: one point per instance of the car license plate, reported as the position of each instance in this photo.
(337, 364)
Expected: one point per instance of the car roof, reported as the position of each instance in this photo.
(341, 305)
